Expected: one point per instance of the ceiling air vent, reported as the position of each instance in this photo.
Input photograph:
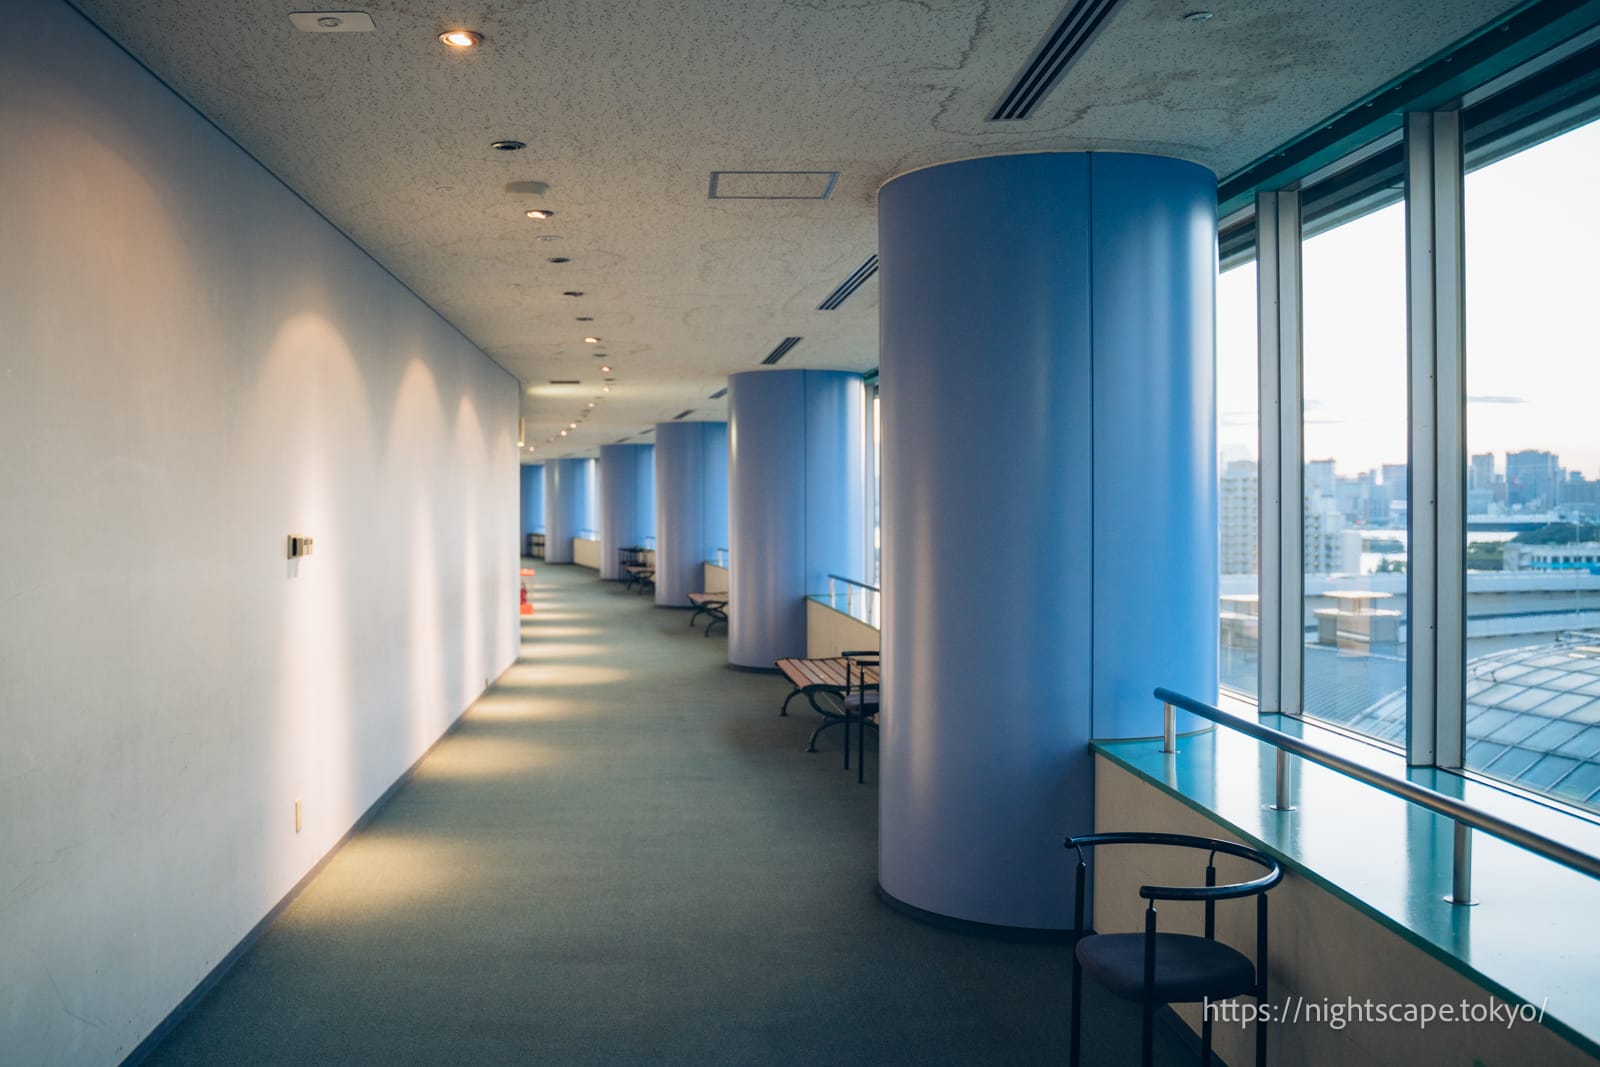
(781, 351)
(565, 381)
(772, 184)
(683, 414)
(719, 394)
(1065, 42)
(850, 285)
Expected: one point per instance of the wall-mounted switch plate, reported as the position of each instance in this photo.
(299, 545)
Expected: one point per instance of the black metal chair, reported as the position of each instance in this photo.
(1156, 968)
(860, 703)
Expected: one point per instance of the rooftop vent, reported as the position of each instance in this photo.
(684, 414)
(719, 394)
(1068, 37)
(782, 350)
(847, 287)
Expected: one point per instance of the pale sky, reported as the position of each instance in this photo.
(1533, 355)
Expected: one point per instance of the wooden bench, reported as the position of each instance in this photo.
(642, 573)
(831, 678)
(712, 604)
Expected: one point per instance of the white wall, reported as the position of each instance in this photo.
(194, 365)
(716, 578)
(830, 632)
(586, 553)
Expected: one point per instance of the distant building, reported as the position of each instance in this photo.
(1395, 480)
(1320, 478)
(1480, 472)
(1240, 518)
(1582, 556)
(1324, 524)
(1532, 477)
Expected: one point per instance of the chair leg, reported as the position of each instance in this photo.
(1148, 1059)
(1076, 1047)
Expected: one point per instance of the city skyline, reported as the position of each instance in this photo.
(1532, 360)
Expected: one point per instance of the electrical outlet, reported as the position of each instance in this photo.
(297, 820)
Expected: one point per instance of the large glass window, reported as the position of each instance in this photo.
(1533, 469)
(1355, 439)
(1238, 472)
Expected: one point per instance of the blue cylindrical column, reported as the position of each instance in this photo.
(532, 501)
(796, 502)
(691, 506)
(568, 505)
(627, 476)
(1049, 506)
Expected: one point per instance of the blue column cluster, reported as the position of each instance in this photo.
(691, 505)
(1049, 505)
(532, 501)
(569, 505)
(627, 475)
(796, 477)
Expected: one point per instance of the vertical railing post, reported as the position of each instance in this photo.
(1169, 729)
(831, 603)
(1461, 866)
(1280, 800)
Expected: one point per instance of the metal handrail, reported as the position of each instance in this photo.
(1467, 817)
(850, 586)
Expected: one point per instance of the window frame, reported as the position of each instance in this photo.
(1430, 155)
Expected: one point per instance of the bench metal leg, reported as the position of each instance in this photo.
(834, 719)
(811, 745)
(783, 709)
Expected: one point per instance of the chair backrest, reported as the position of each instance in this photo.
(1209, 893)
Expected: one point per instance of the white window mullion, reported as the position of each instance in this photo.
(1436, 549)
(1282, 467)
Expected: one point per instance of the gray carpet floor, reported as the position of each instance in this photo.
(623, 855)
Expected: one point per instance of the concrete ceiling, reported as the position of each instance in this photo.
(627, 106)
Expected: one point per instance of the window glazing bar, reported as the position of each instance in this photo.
(1436, 480)
(1282, 464)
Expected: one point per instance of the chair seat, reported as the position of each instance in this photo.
(1188, 968)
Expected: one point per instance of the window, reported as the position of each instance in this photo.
(1532, 225)
(1355, 492)
(1238, 473)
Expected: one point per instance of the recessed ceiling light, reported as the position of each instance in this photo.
(461, 38)
(563, 433)
(558, 259)
(605, 388)
(538, 213)
(507, 146)
(591, 340)
(591, 403)
(605, 370)
(1199, 16)
(572, 426)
